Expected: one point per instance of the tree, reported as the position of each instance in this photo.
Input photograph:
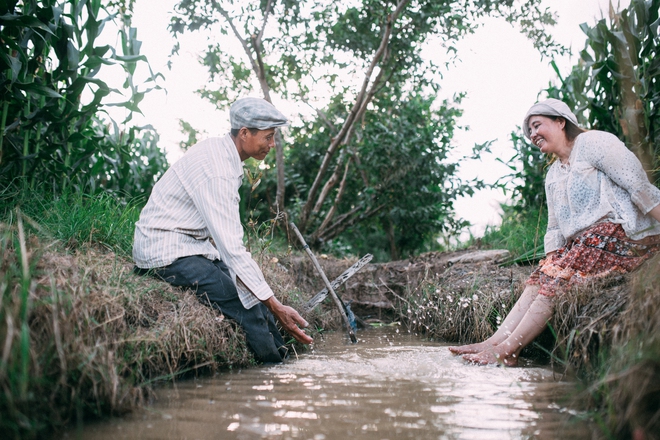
(614, 87)
(340, 58)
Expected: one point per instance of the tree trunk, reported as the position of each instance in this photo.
(632, 118)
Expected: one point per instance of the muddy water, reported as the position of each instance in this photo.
(390, 385)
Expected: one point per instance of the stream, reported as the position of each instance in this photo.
(390, 385)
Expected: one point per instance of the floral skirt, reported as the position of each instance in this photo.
(600, 250)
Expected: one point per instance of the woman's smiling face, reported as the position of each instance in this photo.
(548, 134)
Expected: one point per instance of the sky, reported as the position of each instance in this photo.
(500, 71)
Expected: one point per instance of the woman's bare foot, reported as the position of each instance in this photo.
(471, 348)
(487, 357)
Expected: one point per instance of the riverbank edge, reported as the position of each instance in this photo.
(84, 337)
(606, 333)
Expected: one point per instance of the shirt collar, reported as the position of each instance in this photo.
(236, 162)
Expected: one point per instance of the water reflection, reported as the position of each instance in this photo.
(387, 386)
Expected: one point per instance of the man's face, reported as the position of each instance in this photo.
(256, 145)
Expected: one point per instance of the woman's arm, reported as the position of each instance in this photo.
(607, 153)
(655, 213)
(553, 239)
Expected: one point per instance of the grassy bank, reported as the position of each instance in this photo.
(82, 336)
(606, 333)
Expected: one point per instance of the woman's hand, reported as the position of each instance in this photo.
(655, 213)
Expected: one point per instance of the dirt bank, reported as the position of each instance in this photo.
(84, 336)
(376, 292)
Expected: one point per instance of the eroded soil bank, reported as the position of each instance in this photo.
(97, 337)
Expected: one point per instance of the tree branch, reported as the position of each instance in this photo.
(340, 225)
(340, 193)
(261, 70)
(263, 25)
(240, 38)
(350, 120)
(328, 185)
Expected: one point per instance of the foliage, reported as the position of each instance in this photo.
(76, 219)
(524, 218)
(192, 134)
(521, 233)
(614, 86)
(352, 63)
(51, 124)
(397, 171)
(526, 180)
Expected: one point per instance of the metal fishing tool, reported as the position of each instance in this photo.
(338, 302)
(341, 279)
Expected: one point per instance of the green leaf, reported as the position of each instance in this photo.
(38, 90)
(19, 20)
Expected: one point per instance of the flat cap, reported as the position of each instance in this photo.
(549, 107)
(255, 113)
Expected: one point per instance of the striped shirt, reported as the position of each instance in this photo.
(197, 200)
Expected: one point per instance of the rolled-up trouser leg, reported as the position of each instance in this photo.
(213, 285)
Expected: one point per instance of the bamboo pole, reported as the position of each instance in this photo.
(334, 296)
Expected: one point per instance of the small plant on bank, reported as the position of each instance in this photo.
(458, 305)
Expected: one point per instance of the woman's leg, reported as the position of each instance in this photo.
(532, 324)
(507, 327)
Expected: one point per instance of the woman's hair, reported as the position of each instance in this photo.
(572, 131)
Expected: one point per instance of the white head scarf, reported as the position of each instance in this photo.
(549, 107)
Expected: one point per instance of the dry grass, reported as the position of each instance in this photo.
(463, 304)
(81, 335)
(628, 388)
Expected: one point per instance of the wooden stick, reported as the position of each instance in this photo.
(341, 279)
(334, 296)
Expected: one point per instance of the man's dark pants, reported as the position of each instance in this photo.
(211, 281)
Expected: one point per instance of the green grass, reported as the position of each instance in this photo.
(521, 233)
(75, 219)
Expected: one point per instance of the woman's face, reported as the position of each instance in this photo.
(547, 134)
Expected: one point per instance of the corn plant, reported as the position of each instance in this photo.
(615, 85)
(51, 121)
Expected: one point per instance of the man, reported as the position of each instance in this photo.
(190, 234)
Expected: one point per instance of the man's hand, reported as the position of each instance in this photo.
(290, 319)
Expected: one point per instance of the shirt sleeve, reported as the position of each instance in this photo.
(218, 203)
(613, 158)
(554, 239)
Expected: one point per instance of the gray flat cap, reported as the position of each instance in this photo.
(255, 113)
(549, 107)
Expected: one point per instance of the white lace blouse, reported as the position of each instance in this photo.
(603, 181)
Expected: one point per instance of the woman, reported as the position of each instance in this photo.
(603, 218)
